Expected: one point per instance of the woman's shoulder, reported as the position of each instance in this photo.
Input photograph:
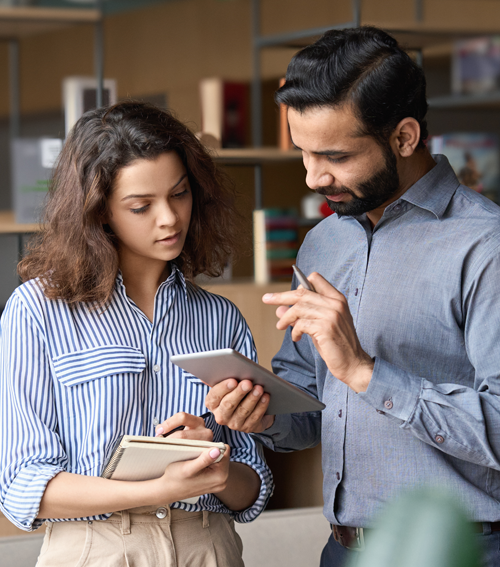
(209, 300)
(29, 293)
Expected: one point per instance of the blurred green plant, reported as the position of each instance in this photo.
(423, 528)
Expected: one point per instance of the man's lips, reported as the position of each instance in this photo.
(336, 198)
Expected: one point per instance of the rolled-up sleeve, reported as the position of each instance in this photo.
(31, 453)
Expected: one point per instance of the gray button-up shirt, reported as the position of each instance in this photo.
(424, 291)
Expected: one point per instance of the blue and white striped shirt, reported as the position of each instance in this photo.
(73, 380)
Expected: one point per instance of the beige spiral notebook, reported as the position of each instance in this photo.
(136, 457)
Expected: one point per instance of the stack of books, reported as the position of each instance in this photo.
(476, 65)
(275, 234)
(474, 157)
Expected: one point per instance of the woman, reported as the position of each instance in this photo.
(136, 210)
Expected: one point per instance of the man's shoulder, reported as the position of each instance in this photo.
(474, 209)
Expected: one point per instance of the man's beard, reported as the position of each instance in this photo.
(375, 191)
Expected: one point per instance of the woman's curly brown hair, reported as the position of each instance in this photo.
(75, 254)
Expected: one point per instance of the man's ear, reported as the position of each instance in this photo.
(406, 137)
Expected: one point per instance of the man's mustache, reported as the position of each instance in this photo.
(325, 191)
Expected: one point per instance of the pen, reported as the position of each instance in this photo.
(181, 427)
(304, 282)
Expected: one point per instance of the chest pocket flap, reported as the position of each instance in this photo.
(192, 378)
(94, 363)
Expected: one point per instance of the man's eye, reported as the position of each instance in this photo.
(140, 210)
(336, 160)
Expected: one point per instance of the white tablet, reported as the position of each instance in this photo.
(214, 366)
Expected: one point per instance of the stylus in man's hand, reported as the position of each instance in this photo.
(304, 282)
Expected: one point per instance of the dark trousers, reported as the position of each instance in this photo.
(334, 555)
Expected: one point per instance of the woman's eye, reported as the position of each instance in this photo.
(181, 193)
(140, 210)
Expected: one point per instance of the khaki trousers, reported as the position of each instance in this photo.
(139, 538)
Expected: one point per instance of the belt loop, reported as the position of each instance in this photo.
(125, 522)
(487, 528)
(206, 523)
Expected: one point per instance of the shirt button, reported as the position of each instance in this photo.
(388, 404)
(156, 368)
(439, 439)
(161, 513)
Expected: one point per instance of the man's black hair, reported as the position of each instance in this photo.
(364, 67)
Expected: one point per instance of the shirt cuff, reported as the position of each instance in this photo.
(392, 391)
(266, 491)
(22, 500)
(278, 431)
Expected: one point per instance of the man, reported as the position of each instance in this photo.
(401, 339)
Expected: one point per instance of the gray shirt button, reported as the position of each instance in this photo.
(156, 368)
(388, 404)
(161, 513)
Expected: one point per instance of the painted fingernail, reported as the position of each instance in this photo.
(214, 453)
(245, 387)
(159, 431)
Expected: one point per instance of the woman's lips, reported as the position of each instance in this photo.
(170, 239)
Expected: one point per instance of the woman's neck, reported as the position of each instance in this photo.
(142, 280)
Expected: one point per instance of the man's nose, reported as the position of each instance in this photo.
(318, 175)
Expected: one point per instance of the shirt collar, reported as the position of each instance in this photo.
(176, 277)
(435, 189)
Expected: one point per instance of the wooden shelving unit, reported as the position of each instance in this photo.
(8, 225)
(19, 21)
(253, 156)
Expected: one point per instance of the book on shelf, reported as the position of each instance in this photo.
(476, 65)
(225, 111)
(80, 96)
(474, 156)
(275, 233)
(285, 140)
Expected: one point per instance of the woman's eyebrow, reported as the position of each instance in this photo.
(150, 195)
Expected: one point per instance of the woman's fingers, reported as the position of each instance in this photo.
(192, 424)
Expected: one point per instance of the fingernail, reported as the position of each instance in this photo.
(231, 385)
(214, 453)
(267, 296)
(256, 392)
(159, 431)
(263, 400)
(245, 387)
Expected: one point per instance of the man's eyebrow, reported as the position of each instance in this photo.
(149, 195)
(324, 152)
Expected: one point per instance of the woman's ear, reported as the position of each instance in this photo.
(406, 137)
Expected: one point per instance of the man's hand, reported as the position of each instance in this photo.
(326, 318)
(240, 406)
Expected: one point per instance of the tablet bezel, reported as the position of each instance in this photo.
(214, 366)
